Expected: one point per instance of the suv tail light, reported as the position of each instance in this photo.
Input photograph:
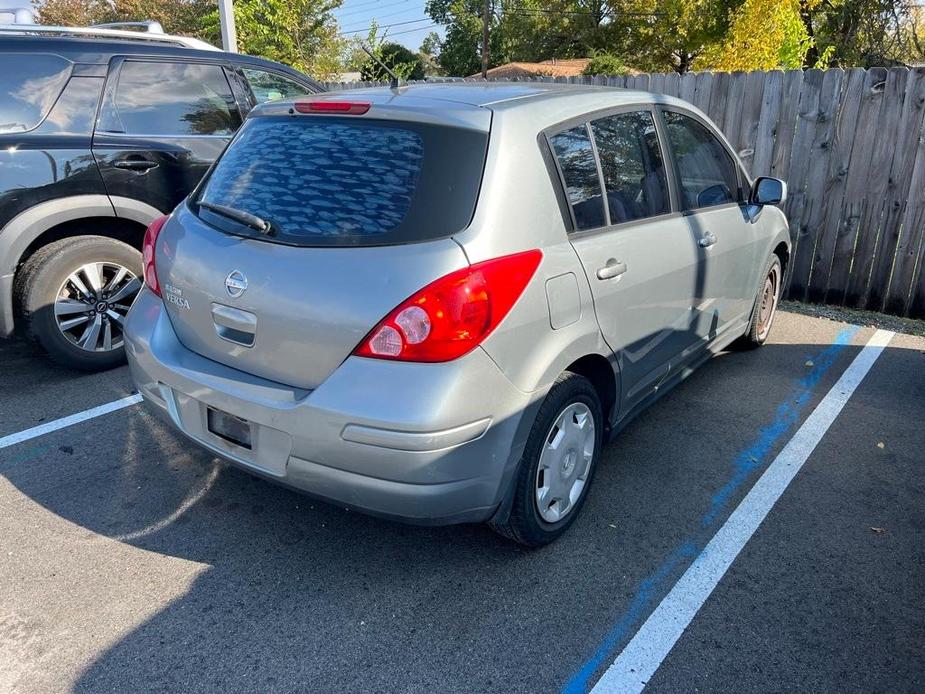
(147, 254)
(454, 314)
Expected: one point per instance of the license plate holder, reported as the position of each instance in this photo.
(229, 427)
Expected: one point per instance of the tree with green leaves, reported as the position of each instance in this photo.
(762, 35)
(406, 64)
(301, 33)
(669, 35)
(865, 33)
(176, 16)
(460, 53)
(428, 52)
(603, 63)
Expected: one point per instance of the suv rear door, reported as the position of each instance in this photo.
(161, 125)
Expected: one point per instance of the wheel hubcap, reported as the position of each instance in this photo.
(565, 462)
(769, 299)
(90, 306)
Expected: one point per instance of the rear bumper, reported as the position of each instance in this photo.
(425, 443)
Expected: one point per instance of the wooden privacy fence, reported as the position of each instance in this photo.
(851, 146)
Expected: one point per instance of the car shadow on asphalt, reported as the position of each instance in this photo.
(44, 390)
(303, 595)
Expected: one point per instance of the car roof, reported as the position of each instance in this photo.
(100, 50)
(543, 103)
(470, 93)
(497, 95)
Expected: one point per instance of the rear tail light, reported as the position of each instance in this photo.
(453, 315)
(147, 254)
(342, 108)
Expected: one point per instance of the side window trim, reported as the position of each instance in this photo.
(673, 200)
(241, 89)
(743, 182)
(557, 178)
(671, 169)
(112, 83)
(239, 68)
(600, 176)
(674, 194)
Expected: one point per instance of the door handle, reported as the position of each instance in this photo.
(135, 164)
(611, 269)
(707, 240)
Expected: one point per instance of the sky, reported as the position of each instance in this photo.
(405, 20)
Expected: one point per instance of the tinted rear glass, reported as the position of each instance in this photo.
(347, 181)
(28, 90)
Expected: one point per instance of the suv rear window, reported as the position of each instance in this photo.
(327, 181)
(28, 92)
(171, 98)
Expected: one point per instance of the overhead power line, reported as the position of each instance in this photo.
(411, 31)
(385, 26)
(351, 8)
(390, 14)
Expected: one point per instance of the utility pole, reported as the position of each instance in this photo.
(486, 19)
(226, 20)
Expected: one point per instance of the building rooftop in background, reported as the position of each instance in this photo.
(569, 67)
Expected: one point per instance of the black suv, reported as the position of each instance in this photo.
(99, 137)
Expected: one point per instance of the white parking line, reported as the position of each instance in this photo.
(643, 655)
(47, 427)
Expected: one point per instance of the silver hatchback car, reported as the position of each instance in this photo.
(436, 303)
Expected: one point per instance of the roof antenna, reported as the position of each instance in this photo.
(396, 82)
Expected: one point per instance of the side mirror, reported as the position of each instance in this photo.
(714, 195)
(768, 191)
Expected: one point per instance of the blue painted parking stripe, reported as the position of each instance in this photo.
(751, 458)
(643, 655)
(55, 425)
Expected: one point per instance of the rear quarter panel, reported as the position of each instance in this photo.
(518, 210)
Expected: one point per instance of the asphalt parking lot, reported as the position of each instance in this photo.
(130, 561)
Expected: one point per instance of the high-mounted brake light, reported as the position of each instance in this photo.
(453, 315)
(147, 254)
(343, 108)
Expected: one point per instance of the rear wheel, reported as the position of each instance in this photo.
(74, 294)
(765, 306)
(558, 463)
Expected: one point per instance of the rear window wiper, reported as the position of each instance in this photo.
(245, 218)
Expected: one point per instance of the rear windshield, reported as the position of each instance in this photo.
(28, 91)
(323, 181)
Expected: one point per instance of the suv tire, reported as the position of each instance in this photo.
(45, 277)
(573, 397)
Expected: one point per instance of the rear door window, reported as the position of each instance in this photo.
(632, 166)
(268, 86)
(171, 98)
(575, 154)
(345, 181)
(28, 91)
(707, 172)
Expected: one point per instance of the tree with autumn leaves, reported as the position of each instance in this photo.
(650, 35)
(684, 35)
(300, 33)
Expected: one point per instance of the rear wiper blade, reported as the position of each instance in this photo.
(245, 218)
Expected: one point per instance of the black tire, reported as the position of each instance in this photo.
(41, 278)
(525, 524)
(759, 327)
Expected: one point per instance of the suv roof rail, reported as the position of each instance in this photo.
(148, 25)
(153, 33)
